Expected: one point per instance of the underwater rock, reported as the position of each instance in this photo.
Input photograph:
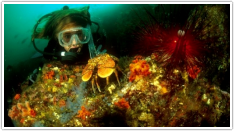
(155, 100)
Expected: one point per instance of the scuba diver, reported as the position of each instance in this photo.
(71, 39)
(69, 30)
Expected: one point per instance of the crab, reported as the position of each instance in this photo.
(103, 65)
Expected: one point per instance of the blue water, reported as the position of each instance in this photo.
(19, 20)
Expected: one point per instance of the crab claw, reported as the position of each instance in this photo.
(87, 72)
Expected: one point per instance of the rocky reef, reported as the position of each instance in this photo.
(148, 96)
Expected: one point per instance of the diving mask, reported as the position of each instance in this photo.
(79, 34)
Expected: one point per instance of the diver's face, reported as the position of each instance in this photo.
(74, 45)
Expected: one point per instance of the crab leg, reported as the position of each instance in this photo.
(116, 74)
(93, 85)
(97, 83)
(107, 80)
